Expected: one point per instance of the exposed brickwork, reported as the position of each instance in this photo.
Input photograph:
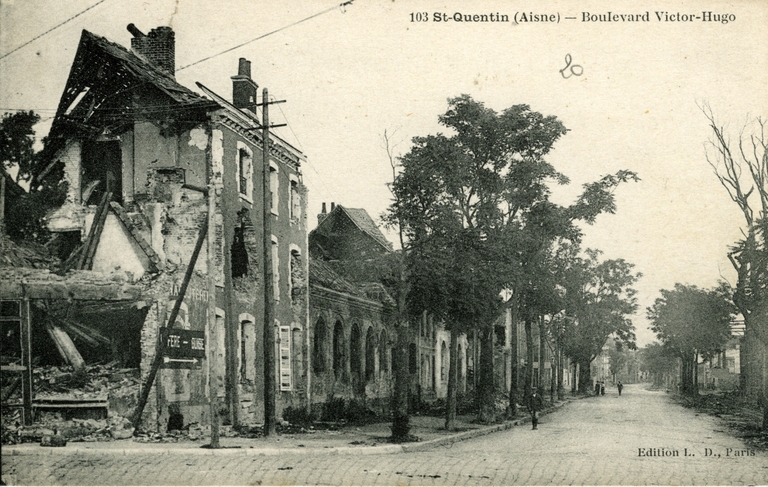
(149, 333)
(158, 47)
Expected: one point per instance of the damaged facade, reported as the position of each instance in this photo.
(351, 330)
(144, 157)
(153, 171)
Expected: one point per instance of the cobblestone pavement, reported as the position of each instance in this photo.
(640, 438)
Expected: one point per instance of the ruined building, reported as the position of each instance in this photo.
(352, 334)
(145, 160)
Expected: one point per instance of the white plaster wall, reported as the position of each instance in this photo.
(118, 252)
(68, 217)
(71, 156)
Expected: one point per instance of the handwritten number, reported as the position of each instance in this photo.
(576, 69)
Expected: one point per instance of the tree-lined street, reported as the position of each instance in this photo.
(607, 440)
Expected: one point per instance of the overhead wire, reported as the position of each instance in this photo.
(340, 6)
(309, 162)
(51, 29)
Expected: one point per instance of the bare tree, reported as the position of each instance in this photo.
(400, 416)
(742, 169)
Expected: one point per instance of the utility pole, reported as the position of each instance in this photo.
(213, 328)
(269, 311)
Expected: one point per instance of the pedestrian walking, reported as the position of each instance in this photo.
(534, 406)
(620, 386)
(602, 388)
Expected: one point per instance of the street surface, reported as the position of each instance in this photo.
(640, 438)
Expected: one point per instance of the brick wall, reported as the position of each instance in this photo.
(158, 47)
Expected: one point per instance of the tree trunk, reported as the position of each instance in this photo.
(400, 419)
(540, 376)
(684, 375)
(765, 391)
(696, 373)
(585, 374)
(752, 359)
(515, 362)
(552, 376)
(453, 373)
(529, 358)
(560, 390)
(512, 408)
(486, 384)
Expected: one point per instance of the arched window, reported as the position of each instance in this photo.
(274, 186)
(338, 350)
(245, 172)
(296, 281)
(370, 355)
(319, 347)
(355, 360)
(247, 347)
(443, 361)
(383, 352)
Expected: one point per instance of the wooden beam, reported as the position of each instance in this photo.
(65, 345)
(86, 258)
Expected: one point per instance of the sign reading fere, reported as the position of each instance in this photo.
(182, 349)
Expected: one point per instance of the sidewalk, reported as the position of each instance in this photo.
(371, 439)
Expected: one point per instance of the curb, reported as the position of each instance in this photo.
(466, 435)
(74, 449)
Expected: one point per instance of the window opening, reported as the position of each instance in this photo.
(242, 165)
(244, 172)
(338, 350)
(239, 253)
(355, 349)
(286, 383)
(274, 187)
(370, 355)
(10, 327)
(297, 274)
(443, 361)
(383, 353)
(275, 269)
(102, 163)
(413, 357)
(295, 203)
(318, 355)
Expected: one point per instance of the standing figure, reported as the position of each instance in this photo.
(534, 406)
(597, 388)
(620, 386)
(602, 388)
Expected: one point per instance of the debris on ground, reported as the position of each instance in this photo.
(742, 416)
(112, 391)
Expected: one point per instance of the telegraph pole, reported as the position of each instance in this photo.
(269, 309)
(213, 328)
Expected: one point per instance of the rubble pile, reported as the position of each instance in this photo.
(116, 387)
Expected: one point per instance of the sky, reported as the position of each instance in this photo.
(630, 96)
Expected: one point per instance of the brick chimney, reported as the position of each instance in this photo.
(158, 47)
(244, 89)
(322, 215)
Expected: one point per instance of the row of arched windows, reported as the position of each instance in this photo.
(365, 355)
